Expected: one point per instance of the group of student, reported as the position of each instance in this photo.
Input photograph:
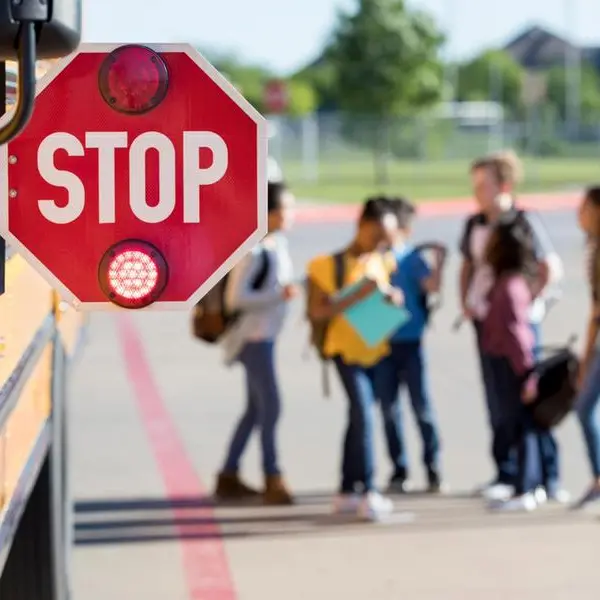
(509, 270)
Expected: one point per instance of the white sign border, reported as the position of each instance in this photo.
(234, 258)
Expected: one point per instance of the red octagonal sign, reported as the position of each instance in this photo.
(140, 179)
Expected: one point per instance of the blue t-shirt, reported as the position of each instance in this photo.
(411, 271)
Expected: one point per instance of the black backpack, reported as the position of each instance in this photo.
(557, 386)
(210, 318)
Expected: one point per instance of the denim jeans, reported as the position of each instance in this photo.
(406, 365)
(588, 411)
(358, 456)
(505, 458)
(517, 429)
(262, 408)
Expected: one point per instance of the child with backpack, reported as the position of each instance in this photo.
(364, 264)
(494, 180)
(406, 364)
(258, 292)
(509, 343)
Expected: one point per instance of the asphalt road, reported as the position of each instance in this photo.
(152, 411)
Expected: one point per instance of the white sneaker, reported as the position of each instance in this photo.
(541, 496)
(375, 507)
(524, 503)
(498, 492)
(560, 496)
(345, 504)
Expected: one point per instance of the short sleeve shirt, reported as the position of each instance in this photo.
(341, 338)
(409, 276)
(473, 242)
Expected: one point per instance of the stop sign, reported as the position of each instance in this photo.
(140, 179)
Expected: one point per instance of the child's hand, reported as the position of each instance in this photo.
(529, 390)
(395, 296)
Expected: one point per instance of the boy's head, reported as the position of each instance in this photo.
(280, 206)
(493, 177)
(589, 211)
(405, 213)
(377, 224)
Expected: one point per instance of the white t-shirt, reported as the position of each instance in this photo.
(472, 246)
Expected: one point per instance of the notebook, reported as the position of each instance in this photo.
(375, 319)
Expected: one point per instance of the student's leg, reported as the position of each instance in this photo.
(229, 484)
(387, 383)
(547, 444)
(418, 387)
(358, 453)
(520, 432)
(504, 456)
(260, 362)
(588, 412)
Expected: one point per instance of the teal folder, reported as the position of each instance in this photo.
(375, 319)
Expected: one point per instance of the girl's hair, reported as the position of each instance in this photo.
(511, 249)
(375, 209)
(275, 193)
(592, 195)
(505, 166)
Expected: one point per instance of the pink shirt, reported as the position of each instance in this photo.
(507, 328)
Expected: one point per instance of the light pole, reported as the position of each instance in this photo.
(572, 71)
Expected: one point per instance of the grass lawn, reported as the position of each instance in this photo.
(352, 180)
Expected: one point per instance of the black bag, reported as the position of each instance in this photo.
(557, 387)
(210, 318)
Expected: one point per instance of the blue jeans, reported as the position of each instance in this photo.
(504, 457)
(262, 409)
(406, 365)
(588, 411)
(517, 430)
(358, 456)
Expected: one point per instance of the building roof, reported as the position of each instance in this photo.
(539, 48)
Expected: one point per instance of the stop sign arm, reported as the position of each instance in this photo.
(26, 83)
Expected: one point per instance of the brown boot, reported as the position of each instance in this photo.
(276, 492)
(231, 487)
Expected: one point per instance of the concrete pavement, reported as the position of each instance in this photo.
(152, 411)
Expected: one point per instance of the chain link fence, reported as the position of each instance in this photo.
(431, 152)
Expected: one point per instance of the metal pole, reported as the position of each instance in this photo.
(572, 71)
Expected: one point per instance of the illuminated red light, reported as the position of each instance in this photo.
(133, 274)
(133, 79)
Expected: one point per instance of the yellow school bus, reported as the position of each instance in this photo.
(39, 338)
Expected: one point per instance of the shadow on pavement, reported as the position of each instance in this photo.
(104, 522)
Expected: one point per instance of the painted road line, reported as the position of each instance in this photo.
(333, 213)
(205, 561)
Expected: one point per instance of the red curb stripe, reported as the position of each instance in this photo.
(205, 563)
(329, 213)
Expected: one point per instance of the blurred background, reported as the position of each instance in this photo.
(366, 95)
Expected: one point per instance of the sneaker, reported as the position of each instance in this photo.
(231, 487)
(558, 496)
(399, 485)
(345, 504)
(498, 492)
(434, 482)
(592, 496)
(524, 503)
(375, 507)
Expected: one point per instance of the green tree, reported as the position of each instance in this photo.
(589, 94)
(302, 97)
(493, 75)
(386, 63)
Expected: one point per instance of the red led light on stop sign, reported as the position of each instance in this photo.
(133, 274)
(133, 79)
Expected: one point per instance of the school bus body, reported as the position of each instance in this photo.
(38, 338)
